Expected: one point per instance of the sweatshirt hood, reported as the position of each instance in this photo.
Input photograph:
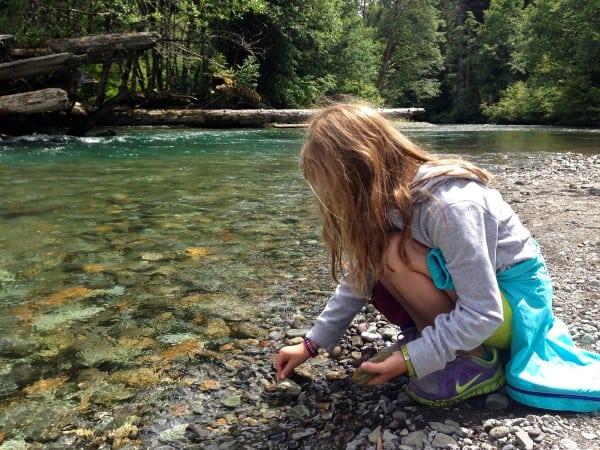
(429, 177)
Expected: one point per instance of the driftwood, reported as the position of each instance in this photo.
(228, 117)
(96, 48)
(104, 47)
(68, 53)
(35, 102)
(21, 53)
(57, 69)
(19, 110)
(38, 65)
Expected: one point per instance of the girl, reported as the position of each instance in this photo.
(435, 248)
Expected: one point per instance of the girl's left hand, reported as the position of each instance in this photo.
(386, 370)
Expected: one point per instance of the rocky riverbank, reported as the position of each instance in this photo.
(223, 394)
(237, 404)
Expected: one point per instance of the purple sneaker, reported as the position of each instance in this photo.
(465, 377)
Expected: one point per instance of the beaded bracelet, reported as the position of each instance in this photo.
(310, 348)
(409, 366)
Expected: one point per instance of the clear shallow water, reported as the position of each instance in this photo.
(88, 200)
(119, 254)
(474, 141)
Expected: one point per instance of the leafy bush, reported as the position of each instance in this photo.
(513, 107)
(305, 91)
(351, 90)
(524, 103)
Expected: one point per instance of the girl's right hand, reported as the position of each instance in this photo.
(288, 358)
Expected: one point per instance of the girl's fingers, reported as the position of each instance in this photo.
(281, 366)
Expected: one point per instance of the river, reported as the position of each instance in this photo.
(120, 254)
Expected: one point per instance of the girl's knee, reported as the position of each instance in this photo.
(415, 259)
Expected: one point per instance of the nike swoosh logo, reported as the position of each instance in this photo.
(462, 388)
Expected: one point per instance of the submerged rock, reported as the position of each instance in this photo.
(216, 329)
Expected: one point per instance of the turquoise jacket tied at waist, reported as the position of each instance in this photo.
(546, 369)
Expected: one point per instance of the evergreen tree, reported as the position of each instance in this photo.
(315, 50)
(460, 97)
(411, 58)
(496, 62)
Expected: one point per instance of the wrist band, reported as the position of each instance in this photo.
(409, 366)
(310, 348)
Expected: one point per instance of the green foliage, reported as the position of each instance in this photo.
(305, 91)
(355, 61)
(407, 33)
(463, 60)
(61, 18)
(309, 32)
(218, 67)
(248, 72)
(90, 92)
(561, 56)
(496, 60)
(357, 91)
(519, 102)
(323, 50)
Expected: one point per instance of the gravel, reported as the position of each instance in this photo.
(558, 198)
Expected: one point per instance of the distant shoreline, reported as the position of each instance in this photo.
(227, 118)
(80, 122)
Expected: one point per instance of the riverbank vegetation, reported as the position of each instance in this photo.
(505, 61)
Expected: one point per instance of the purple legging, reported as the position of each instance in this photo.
(387, 305)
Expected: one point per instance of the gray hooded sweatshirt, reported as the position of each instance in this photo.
(478, 235)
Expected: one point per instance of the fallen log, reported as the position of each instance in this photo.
(96, 48)
(38, 65)
(228, 117)
(22, 53)
(35, 102)
(103, 47)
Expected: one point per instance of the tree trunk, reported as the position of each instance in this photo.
(96, 48)
(85, 125)
(390, 46)
(103, 82)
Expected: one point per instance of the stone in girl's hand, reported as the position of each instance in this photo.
(361, 377)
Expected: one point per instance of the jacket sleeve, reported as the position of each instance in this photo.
(466, 235)
(341, 308)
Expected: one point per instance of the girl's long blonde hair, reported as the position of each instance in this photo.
(360, 167)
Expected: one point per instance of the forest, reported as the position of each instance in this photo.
(463, 61)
